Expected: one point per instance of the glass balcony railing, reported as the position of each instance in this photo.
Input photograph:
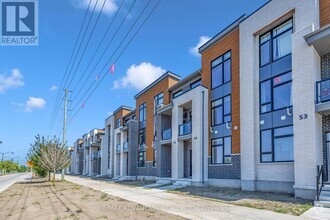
(118, 148)
(94, 156)
(323, 91)
(125, 146)
(142, 147)
(167, 134)
(185, 129)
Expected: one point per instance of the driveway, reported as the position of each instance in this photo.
(8, 180)
(187, 207)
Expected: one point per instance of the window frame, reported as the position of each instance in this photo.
(223, 111)
(141, 158)
(270, 40)
(118, 123)
(157, 98)
(177, 94)
(272, 88)
(196, 83)
(223, 60)
(143, 110)
(273, 137)
(223, 150)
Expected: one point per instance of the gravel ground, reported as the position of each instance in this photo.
(282, 203)
(38, 199)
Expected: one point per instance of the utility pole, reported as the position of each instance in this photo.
(66, 92)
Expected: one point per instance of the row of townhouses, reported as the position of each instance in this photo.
(255, 116)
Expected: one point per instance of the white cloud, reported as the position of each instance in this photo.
(53, 88)
(139, 76)
(14, 80)
(202, 41)
(33, 103)
(109, 8)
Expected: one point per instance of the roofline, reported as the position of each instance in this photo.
(121, 107)
(109, 117)
(168, 73)
(130, 113)
(222, 34)
(257, 9)
(185, 80)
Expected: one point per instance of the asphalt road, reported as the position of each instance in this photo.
(8, 180)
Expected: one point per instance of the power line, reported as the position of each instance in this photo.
(118, 57)
(105, 50)
(82, 40)
(108, 62)
(102, 40)
(74, 48)
(128, 12)
(90, 36)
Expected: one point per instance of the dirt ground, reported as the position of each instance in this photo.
(38, 199)
(282, 203)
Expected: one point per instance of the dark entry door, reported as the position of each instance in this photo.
(127, 165)
(190, 163)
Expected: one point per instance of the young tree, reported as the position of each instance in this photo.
(34, 155)
(54, 157)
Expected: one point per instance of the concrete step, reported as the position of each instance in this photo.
(326, 188)
(163, 181)
(325, 204)
(325, 196)
(171, 187)
(182, 183)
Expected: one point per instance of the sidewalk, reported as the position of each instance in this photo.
(187, 207)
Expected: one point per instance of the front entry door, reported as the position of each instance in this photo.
(127, 165)
(328, 158)
(190, 163)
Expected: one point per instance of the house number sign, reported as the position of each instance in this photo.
(303, 116)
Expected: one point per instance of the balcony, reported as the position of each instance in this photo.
(167, 134)
(322, 100)
(185, 129)
(118, 148)
(142, 147)
(125, 147)
(94, 156)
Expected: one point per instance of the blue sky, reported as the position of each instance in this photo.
(31, 75)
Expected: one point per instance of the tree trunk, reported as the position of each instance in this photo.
(62, 175)
(48, 176)
(54, 178)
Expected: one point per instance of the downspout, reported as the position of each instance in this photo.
(203, 137)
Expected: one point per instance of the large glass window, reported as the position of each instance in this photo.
(177, 94)
(142, 136)
(275, 93)
(195, 84)
(221, 70)
(276, 43)
(277, 145)
(142, 112)
(221, 150)
(221, 110)
(118, 123)
(158, 100)
(141, 158)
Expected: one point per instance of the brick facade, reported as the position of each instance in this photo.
(325, 74)
(226, 171)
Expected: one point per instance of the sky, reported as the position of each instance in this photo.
(31, 76)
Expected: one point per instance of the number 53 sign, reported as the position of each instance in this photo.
(303, 116)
